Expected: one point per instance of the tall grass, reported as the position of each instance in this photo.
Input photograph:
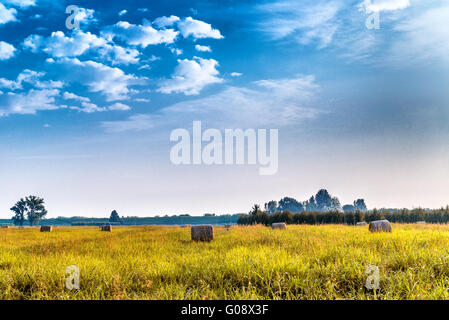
(302, 262)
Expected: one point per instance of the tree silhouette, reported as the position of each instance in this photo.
(35, 209)
(19, 210)
(114, 217)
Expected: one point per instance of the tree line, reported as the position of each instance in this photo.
(322, 201)
(323, 208)
(256, 216)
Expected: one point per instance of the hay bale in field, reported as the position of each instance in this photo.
(279, 225)
(202, 232)
(107, 228)
(420, 222)
(46, 228)
(5, 227)
(380, 226)
(361, 223)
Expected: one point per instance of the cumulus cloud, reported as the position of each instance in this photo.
(191, 76)
(139, 35)
(21, 3)
(72, 96)
(163, 22)
(202, 48)
(29, 102)
(31, 77)
(197, 29)
(119, 107)
(6, 50)
(123, 12)
(59, 45)
(89, 107)
(80, 42)
(7, 15)
(109, 81)
(236, 74)
(85, 16)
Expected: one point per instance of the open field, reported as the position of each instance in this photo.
(302, 262)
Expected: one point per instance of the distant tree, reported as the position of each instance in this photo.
(114, 216)
(255, 209)
(36, 209)
(310, 205)
(359, 204)
(19, 210)
(271, 206)
(348, 208)
(291, 205)
(325, 202)
(335, 204)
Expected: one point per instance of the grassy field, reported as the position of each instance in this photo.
(302, 262)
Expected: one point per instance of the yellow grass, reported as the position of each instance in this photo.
(302, 262)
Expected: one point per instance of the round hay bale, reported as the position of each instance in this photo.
(5, 227)
(279, 225)
(380, 226)
(361, 223)
(202, 232)
(107, 228)
(420, 222)
(46, 228)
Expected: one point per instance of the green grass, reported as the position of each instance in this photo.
(302, 262)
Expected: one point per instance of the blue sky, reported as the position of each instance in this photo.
(86, 114)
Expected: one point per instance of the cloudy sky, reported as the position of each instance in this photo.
(86, 113)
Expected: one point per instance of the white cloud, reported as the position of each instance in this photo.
(163, 22)
(236, 74)
(109, 81)
(7, 15)
(80, 42)
(119, 107)
(281, 102)
(59, 45)
(85, 17)
(120, 55)
(202, 48)
(89, 107)
(310, 22)
(21, 3)
(421, 38)
(384, 5)
(176, 51)
(6, 50)
(142, 100)
(197, 29)
(139, 35)
(29, 102)
(123, 12)
(137, 122)
(191, 76)
(72, 96)
(32, 78)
